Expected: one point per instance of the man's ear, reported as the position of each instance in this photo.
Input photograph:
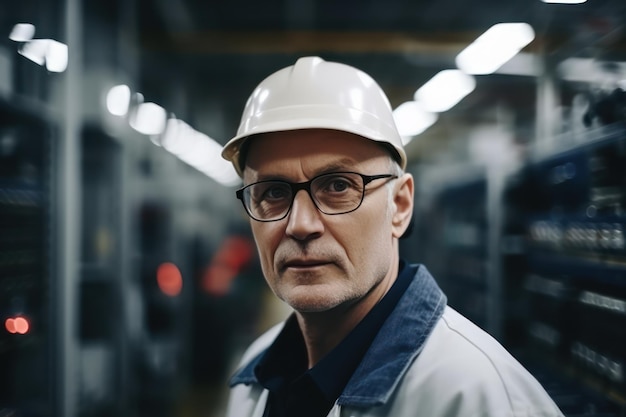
(403, 201)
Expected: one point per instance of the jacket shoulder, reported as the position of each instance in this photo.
(471, 373)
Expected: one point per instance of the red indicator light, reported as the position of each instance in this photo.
(232, 257)
(169, 279)
(17, 325)
(9, 324)
(21, 325)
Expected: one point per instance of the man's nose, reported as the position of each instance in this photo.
(304, 220)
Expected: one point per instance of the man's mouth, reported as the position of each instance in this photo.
(305, 263)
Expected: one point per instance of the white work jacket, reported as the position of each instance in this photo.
(426, 361)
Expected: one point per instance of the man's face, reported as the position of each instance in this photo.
(313, 261)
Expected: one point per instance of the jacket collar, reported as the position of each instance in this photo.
(393, 349)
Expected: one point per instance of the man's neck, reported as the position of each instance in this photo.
(322, 331)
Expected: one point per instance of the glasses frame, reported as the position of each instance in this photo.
(306, 185)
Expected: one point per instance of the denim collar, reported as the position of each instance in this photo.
(398, 342)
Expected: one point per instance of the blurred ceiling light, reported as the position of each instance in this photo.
(118, 100)
(217, 167)
(149, 119)
(56, 56)
(22, 32)
(199, 151)
(411, 119)
(48, 52)
(175, 136)
(35, 50)
(493, 48)
(206, 157)
(565, 1)
(444, 90)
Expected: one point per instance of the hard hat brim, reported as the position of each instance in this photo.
(339, 118)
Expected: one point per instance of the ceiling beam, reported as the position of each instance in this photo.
(306, 41)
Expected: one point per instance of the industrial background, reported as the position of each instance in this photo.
(129, 283)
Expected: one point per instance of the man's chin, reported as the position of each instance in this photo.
(312, 300)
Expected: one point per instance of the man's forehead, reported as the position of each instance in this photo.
(311, 168)
(309, 142)
(276, 156)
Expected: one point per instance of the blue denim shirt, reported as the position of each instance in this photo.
(398, 342)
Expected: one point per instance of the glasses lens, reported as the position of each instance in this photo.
(338, 193)
(268, 200)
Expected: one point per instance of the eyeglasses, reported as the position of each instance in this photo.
(334, 193)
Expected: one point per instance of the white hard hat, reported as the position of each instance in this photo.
(314, 93)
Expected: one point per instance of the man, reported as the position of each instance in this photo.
(370, 335)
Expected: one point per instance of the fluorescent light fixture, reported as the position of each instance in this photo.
(149, 119)
(175, 136)
(199, 151)
(56, 56)
(48, 52)
(444, 90)
(411, 119)
(118, 100)
(565, 1)
(35, 50)
(493, 48)
(22, 32)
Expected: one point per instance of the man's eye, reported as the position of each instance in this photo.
(276, 192)
(337, 184)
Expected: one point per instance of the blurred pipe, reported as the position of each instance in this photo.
(69, 219)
